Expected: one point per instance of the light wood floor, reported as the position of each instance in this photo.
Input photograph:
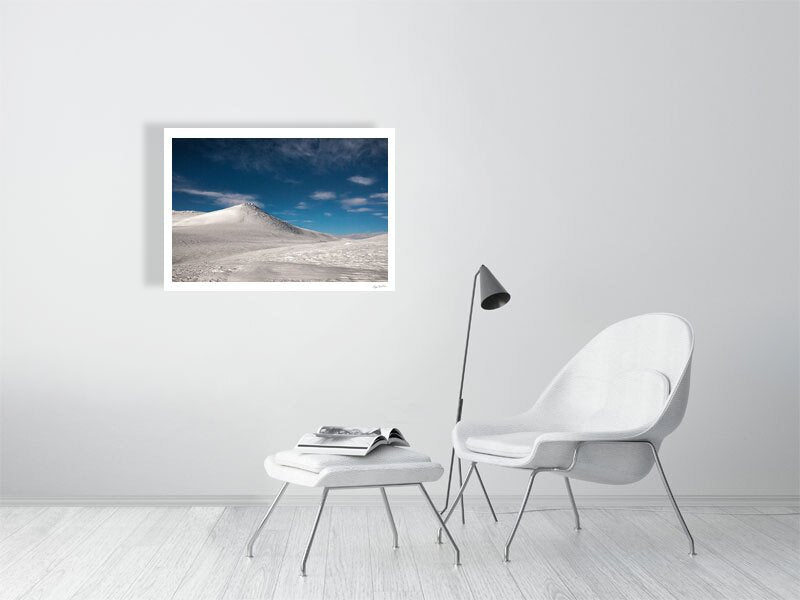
(83, 553)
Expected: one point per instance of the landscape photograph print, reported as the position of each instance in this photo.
(279, 209)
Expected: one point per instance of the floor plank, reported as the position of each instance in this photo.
(781, 511)
(710, 574)
(536, 575)
(607, 574)
(487, 575)
(290, 584)
(13, 518)
(79, 564)
(349, 557)
(752, 552)
(598, 538)
(32, 533)
(255, 578)
(394, 572)
(163, 574)
(438, 577)
(42, 558)
(765, 524)
(115, 576)
(93, 553)
(209, 574)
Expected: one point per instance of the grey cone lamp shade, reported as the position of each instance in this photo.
(493, 294)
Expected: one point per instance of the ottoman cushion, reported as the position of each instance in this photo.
(383, 466)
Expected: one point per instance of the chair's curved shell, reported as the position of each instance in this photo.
(629, 383)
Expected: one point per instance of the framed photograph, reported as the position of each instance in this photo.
(278, 209)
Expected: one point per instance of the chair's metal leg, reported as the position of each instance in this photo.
(391, 518)
(313, 531)
(574, 507)
(672, 500)
(257, 532)
(442, 523)
(488, 501)
(455, 502)
(461, 482)
(519, 516)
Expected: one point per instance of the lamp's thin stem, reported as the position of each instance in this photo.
(466, 346)
(461, 387)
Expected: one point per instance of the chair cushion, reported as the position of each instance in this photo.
(509, 445)
(632, 400)
(383, 455)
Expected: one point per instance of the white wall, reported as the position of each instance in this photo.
(604, 160)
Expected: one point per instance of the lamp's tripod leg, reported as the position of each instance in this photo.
(455, 502)
(449, 481)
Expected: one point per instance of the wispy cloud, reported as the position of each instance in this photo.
(302, 205)
(360, 180)
(327, 214)
(363, 205)
(380, 196)
(323, 195)
(222, 198)
(355, 205)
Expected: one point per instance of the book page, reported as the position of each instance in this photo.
(327, 430)
(337, 441)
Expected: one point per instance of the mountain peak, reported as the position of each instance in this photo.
(249, 206)
(250, 217)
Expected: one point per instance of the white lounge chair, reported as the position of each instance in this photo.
(601, 419)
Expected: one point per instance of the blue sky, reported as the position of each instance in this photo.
(335, 185)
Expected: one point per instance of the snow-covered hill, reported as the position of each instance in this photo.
(248, 217)
(244, 243)
(181, 215)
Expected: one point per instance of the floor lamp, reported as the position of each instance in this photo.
(493, 295)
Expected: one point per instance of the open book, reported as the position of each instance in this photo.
(349, 441)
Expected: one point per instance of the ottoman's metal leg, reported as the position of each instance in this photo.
(257, 532)
(391, 518)
(442, 523)
(313, 531)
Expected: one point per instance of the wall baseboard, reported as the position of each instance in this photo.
(366, 499)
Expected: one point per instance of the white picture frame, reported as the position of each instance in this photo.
(239, 133)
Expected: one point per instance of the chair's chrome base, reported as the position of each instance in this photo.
(574, 507)
(672, 500)
(534, 472)
(519, 515)
(325, 491)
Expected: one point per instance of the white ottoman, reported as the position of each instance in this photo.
(384, 467)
